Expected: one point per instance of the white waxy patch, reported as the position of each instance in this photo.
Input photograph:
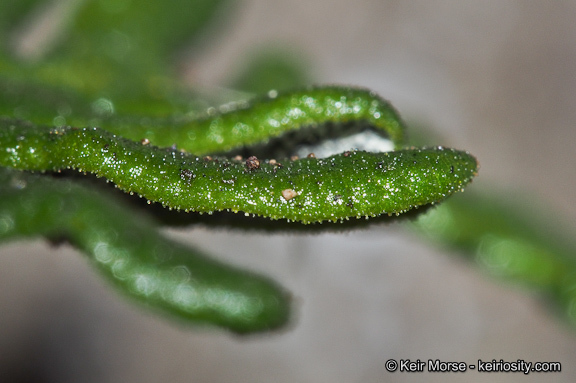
(367, 140)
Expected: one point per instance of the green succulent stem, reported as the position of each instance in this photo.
(352, 184)
(177, 280)
(129, 251)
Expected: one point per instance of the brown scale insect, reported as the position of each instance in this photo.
(252, 163)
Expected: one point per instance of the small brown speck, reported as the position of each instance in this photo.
(311, 155)
(207, 158)
(272, 162)
(252, 163)
(294, 158)
(145, 141)
(288, 194)
(346, 154)
(238, 158)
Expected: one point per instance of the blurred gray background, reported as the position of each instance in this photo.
(497, 78)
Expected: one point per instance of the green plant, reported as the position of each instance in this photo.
(111, 71)
(141, 108)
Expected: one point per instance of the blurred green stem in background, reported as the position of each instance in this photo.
(510, 238)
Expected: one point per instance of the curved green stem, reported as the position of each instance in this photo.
(128, 250)
(255, 121)
(352, 184)
(168, 276)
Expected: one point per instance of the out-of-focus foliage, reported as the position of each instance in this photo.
(111, 62)
(128, 250)
(119, 48)
(12, 12)
(509, 238)
(271, 68)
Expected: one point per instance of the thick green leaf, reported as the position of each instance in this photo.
(351, 184)
(128, 250)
